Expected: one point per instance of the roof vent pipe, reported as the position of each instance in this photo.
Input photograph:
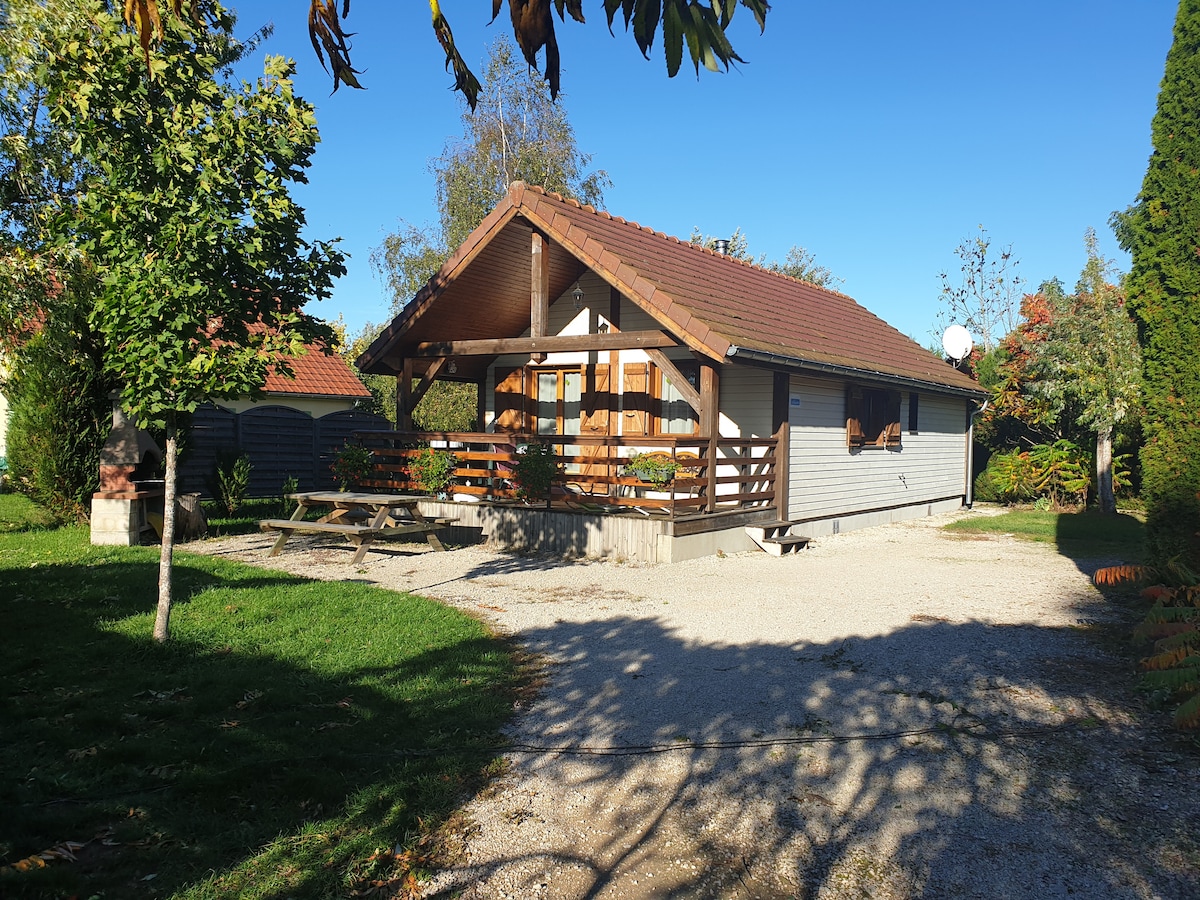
(721, 246)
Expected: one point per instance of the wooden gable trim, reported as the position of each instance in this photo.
(467, 253)
(639, 290)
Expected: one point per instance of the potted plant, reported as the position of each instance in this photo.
(352, 465)
(535, 471)
(432, 470)
(657, 469)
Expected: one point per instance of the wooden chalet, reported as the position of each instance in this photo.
(786, 410)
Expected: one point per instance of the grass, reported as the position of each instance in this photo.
(295, 739)
(1078, 535)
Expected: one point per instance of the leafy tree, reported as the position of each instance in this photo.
(1085, 359)
(799, 263)
(37, 166)
(59, 411)
(986, 301)
(701, 24)
(1162, 232)
(515, 134)
(188, 220)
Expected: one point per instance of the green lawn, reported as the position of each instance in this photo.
(288, 740)
(1085, 534)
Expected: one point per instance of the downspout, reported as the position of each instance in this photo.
(970, 494)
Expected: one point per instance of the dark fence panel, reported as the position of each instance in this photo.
(333, 432)
(281, 442)
(213, 432)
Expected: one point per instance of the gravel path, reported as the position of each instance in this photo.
(895, 712)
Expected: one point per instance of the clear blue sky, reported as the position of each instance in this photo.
(876, 134)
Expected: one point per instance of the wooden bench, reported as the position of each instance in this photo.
(359, 535)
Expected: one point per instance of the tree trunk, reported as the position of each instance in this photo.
(1104, 477)
(191, 522)
(162, 619)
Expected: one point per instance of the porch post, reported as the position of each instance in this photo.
(710, 424)
(782, 427)
(539, 289)
(404, 396)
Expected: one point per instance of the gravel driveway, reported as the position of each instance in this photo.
(895, 712)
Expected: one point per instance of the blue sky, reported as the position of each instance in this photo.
(876, 134)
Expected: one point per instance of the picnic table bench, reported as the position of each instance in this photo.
(358, 517)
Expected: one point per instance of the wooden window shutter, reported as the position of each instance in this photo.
(510, 400)
(635, 400)
(854, 415)
(891, 429)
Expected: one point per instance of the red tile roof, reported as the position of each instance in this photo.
(719, 306)
(318, 375)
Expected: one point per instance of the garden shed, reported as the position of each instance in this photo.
(783, 408)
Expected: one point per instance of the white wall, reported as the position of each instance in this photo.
(314, 406)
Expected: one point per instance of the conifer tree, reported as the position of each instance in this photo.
(1162, 232)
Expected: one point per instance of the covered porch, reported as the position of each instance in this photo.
(596, 506)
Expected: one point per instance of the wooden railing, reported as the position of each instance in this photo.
(711, 476)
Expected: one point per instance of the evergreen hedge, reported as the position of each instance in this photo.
(59, 418)
(1162, 232)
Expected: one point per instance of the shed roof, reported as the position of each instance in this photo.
(317, 374)
(720, 307)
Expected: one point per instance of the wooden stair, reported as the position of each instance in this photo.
(776, 537)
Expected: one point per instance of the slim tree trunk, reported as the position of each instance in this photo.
(162, 619)
(1104, 477)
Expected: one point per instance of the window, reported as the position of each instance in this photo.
(674, 414)
(872, 417)
(556, 407)
(912, 411)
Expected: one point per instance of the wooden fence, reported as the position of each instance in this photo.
(281, 442)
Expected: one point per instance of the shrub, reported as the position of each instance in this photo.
(290, 485)
(1058, 473)
(59, 419)
(352, 465)
(535, 471)
(231, 479)
(432, 470)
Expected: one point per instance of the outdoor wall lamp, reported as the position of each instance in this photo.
(577, 296)
(453, 367)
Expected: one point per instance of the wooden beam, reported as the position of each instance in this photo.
(426, 380)
(404, 396)
(689, 393)
(561, 343)
(710, 424)
(539, 289)
(781, 421)
(710, 396)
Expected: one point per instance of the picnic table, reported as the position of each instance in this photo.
(357, 516)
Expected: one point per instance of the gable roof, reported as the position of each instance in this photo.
(718, 306)
(318, 375)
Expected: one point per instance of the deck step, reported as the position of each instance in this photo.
(774, 537)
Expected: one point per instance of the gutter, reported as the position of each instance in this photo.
(970, 492)
(804, 365)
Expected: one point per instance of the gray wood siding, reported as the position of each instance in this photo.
(746, 395)
(828, 480)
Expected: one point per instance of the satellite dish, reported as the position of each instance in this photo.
(957, 343)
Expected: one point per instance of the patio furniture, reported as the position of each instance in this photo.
(359, 517)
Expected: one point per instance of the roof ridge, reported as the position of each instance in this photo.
(749, 263)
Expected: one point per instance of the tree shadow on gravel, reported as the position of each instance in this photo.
(939, 760)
